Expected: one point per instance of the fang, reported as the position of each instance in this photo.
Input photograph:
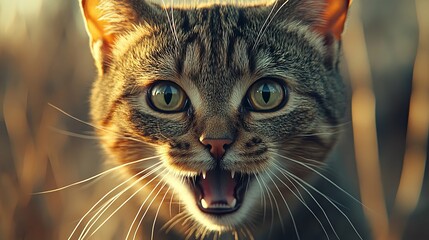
(204, 203)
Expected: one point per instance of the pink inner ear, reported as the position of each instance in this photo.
(334, 15)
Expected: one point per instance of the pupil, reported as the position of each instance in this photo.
(266, 93)
(168, 95)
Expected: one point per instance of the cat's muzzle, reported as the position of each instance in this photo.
(220, 191)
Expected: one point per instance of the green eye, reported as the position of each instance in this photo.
(167, 97)
(266, 95)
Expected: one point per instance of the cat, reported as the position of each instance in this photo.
(230, 109)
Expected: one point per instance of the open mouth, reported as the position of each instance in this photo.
(220, 191)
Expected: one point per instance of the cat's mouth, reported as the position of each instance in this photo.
(220, 191)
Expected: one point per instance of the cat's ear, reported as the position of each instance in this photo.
(333, 17)
(105, 20)
(326, 17)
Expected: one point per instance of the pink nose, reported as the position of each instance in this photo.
(217, 146)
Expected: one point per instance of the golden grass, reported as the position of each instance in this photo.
(413, 169)
(364, 126)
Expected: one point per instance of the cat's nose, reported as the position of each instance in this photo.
(217, 146)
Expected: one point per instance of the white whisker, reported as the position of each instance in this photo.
(262, 196)
(173, 23)
(123, 203)
(266, 25)
(172, 222)
(287, 206)
(77, 135)
(171, 201)
(157, 211)
(169, 21)
(147, 208)
(94, 126)
(263, 25)
(97, 175)
(328, 199)
(302, 199)
(321, 175)
(107, 194)
(277, 207)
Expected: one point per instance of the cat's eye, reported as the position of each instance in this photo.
(168, 97)
(266, 95)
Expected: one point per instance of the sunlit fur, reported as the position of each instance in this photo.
(215, 52)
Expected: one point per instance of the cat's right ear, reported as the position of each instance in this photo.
(105, 20)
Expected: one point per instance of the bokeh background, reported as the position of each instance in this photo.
(45, 58)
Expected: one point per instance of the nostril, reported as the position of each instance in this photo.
(217, 146)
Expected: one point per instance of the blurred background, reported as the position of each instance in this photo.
(45, 58)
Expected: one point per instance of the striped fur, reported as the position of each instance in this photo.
(215, 53)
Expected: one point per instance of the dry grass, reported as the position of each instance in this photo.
(364, 127)
(44, 58)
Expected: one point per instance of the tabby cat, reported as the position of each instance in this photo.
(219, 117)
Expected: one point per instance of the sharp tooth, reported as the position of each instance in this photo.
(204, 203)
(232, 174)
(233, 203)
(204, 174)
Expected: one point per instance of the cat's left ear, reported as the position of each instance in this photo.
(105, 20)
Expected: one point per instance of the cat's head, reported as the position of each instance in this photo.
(238, 101)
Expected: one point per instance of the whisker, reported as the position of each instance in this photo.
(277, 207)
(73, 134)
(157, 211)
(287, 205)
(266, 26)
(169, 20)
(147, 208)
(320, 165)
(171, 200)
(173, 221)
(320, 134)
(262, 196)
(94, 126)
(89, 136)
(323, 176)
(97, 175)
(107, 194)
(263, 25)
(107, 204)
(140, 209)
(328, 199)
(173, 23)
(302, 199)
(190, 232)
(271, 203)
(128, 199)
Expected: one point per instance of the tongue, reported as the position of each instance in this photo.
(218, 188)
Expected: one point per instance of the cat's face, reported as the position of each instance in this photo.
(228, 103)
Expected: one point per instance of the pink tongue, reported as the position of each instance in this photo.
(218, 187)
